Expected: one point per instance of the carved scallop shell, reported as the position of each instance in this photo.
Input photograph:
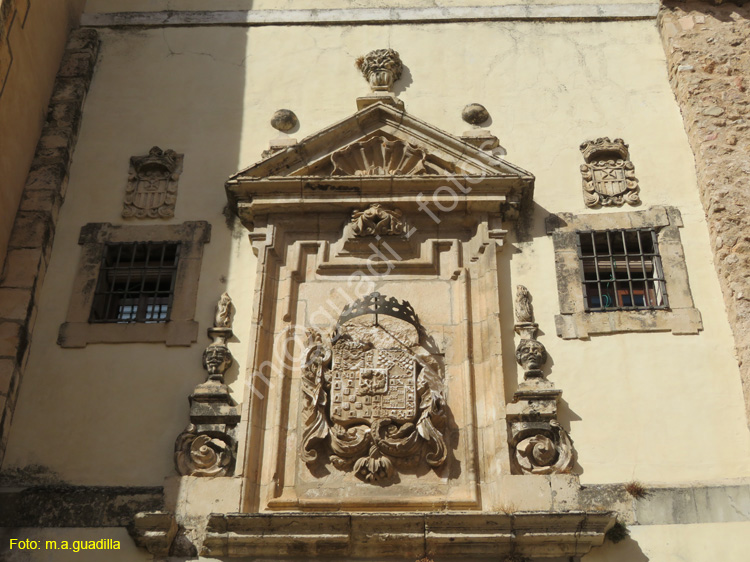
(379, 156)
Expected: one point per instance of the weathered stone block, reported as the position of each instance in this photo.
(69, 89)
(47, 175)
(14, 303)
(45, 201)
(7, 367)
(77, 64)
(11, 335)
(83, 39)
(31, 230)
(22, 267)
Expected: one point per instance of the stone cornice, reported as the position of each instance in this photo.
(510, 12)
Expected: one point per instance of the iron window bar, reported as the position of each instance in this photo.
(136, 283)
(621, 270)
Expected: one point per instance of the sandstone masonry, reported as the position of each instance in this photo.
(709, 64)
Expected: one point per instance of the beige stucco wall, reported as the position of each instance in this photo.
(689, 543)
(36, 47)
(656, 407)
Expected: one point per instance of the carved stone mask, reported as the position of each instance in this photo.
(531, 354)
(217, 359)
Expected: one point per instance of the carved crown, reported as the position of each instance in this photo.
(156, 157)
(377, 304)
(603, 149)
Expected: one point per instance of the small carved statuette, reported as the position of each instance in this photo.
(224, 312)
(524, 308)
(608, 174)
(381, 68)
(208, 446)
(376, 220)
(373, 402)
(152, 184)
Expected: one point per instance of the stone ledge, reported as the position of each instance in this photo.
(76, 506)
(360, 536)
(512, 12)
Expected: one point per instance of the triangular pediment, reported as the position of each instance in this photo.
(380, 141)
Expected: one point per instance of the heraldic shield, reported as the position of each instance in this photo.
(373, 395)
(152, 184)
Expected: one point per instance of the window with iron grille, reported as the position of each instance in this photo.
(621, 270)
(136, 283)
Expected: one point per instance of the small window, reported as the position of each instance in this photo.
(136, 283)
(621, 270)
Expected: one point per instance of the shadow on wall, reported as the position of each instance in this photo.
(626, 550)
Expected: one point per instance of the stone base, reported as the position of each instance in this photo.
(459, 536)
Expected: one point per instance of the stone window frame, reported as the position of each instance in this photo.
(573, 322)
(180, 330)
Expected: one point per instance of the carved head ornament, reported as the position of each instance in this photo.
(531, 354)
(381, 68)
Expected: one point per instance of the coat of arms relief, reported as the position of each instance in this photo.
(152, 184)
(373, 395)
(608, 174)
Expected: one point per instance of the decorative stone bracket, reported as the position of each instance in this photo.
(208, 446)
(539, 445)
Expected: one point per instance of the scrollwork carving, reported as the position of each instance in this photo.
(542, 448)
(376, 220)
(203, 454)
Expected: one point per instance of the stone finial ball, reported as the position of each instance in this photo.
(284, 120)
(475, 114)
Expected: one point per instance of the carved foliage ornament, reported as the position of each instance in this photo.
(152, 184)
(376, 220)
(381, 68)
(370, 404)
(608, 175)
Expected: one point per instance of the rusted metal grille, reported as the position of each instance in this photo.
(136, 283)
(621, 270)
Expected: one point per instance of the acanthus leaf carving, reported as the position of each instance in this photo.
(369, 405)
